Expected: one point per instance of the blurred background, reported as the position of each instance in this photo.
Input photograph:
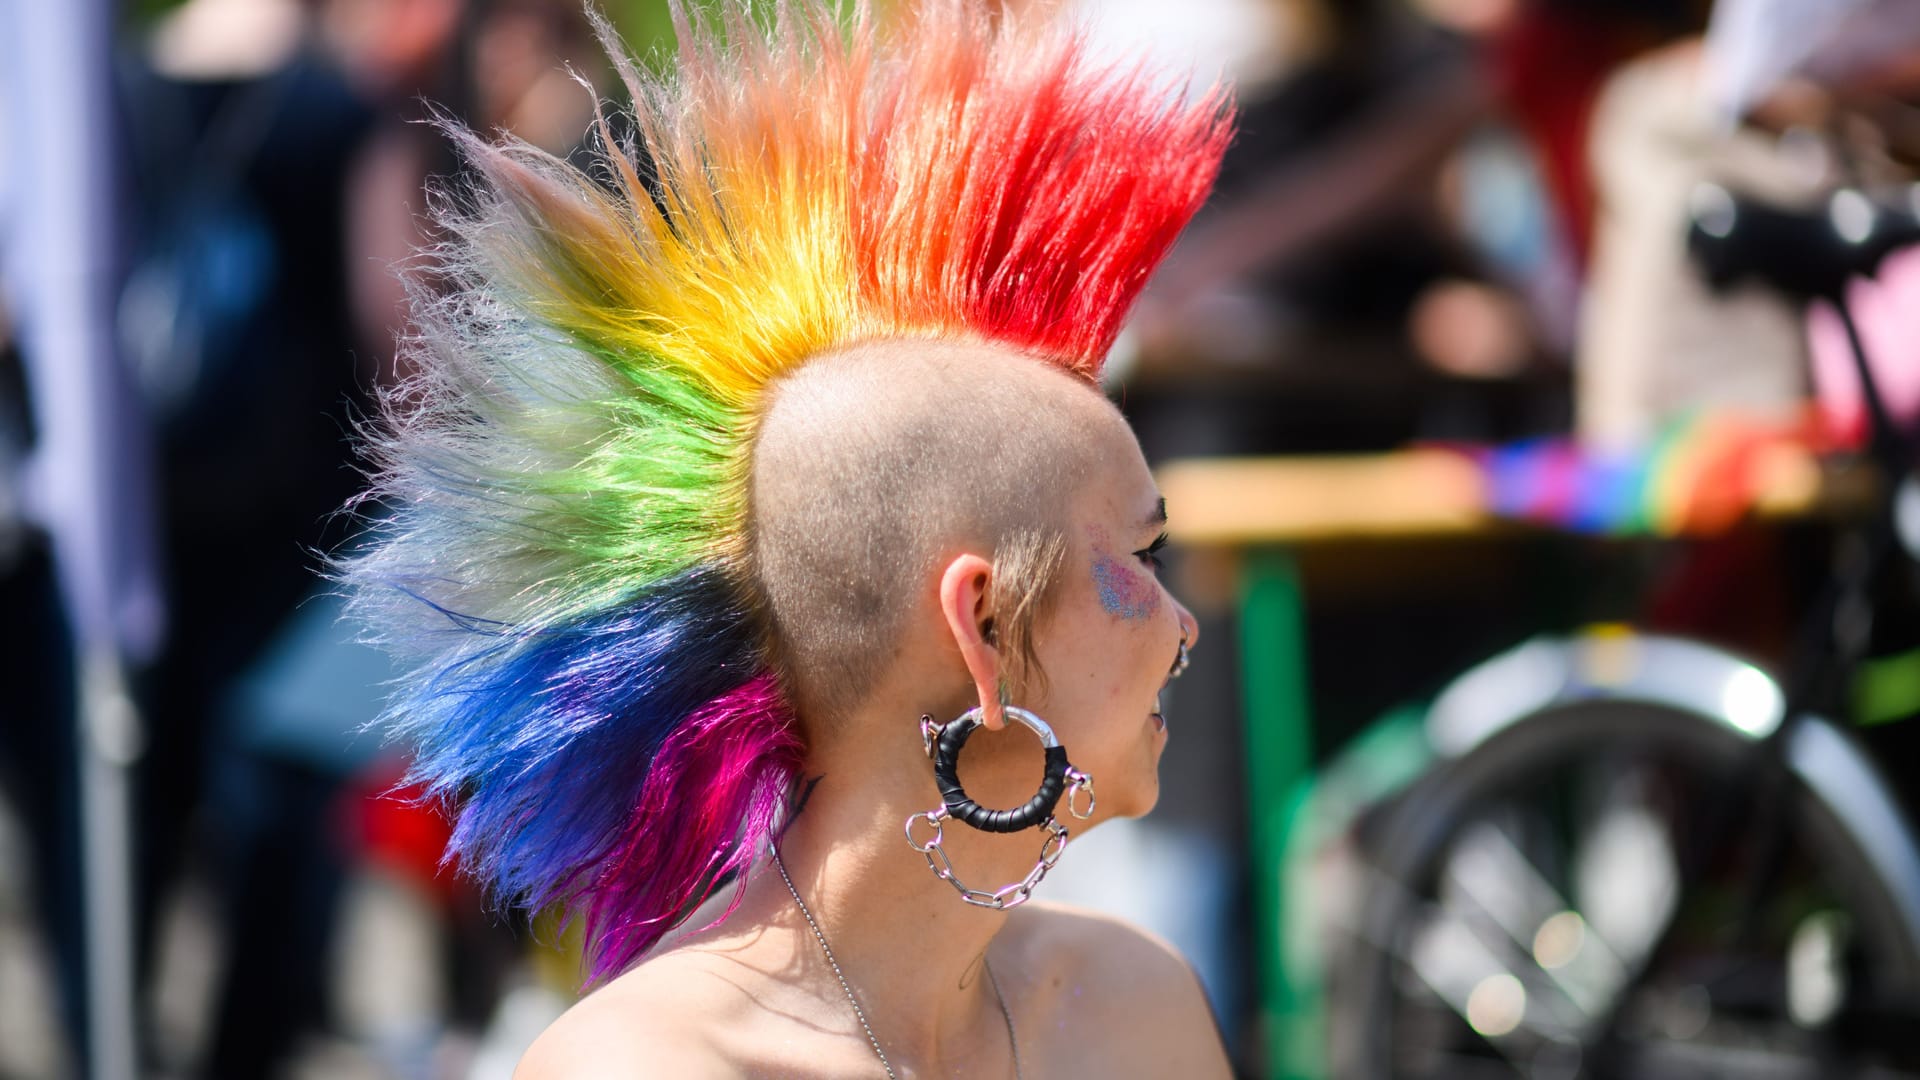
(1533, 402)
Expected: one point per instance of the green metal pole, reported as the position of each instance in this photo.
(1279, 742)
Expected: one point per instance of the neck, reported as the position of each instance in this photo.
(911, 949)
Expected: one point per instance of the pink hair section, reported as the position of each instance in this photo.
(710, 802)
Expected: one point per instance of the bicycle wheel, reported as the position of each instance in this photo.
(1527, 915)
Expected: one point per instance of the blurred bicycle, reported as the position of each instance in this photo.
(1642, 857)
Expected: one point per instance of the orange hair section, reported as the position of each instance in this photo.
(948, 173)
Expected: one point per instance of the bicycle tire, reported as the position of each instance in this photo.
(1431, 819)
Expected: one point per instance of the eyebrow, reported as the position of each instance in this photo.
(1159, 515)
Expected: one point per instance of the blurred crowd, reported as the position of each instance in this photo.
(276, 157)
(1442, 220)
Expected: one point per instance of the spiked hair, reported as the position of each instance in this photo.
(563, 565)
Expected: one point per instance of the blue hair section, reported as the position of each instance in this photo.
(541, 741)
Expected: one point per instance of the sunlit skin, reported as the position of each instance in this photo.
(1090, 996)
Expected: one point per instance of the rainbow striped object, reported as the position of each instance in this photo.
(1702, 475)
(562, 565)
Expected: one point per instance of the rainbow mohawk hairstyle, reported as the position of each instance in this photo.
(563, 569)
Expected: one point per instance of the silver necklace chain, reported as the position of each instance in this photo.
(861, 1014)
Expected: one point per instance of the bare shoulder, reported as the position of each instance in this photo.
(653, 1021)
(1107, 951)
(1132, 985)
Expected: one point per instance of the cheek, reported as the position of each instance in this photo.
(1101, 662)
(1124, 592)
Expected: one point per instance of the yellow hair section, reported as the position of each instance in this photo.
(803, 187)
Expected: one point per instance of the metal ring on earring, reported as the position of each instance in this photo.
(932, 817)
(1078, 783)
(1039, 809)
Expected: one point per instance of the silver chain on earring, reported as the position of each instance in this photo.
(1010, 896)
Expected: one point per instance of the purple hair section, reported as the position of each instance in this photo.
(548, 745)
(710, 804)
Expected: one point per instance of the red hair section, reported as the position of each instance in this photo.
(1013, 190)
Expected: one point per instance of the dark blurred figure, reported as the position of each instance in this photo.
(38, 767)
(1374, 268)
(237, 317)
(283, 170)
(1296, 283)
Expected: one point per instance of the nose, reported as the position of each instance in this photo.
(1189, 625)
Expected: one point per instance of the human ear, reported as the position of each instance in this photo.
(964, 587)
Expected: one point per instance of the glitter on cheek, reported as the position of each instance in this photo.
(1123, 592)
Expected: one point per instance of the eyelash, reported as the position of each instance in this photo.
(1151, 553)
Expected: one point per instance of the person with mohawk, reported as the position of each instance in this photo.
(745, 476)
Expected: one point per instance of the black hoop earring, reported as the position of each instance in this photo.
(962, 808)
(943, 744)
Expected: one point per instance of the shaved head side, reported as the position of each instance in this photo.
(873, 463)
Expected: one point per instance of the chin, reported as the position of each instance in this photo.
(1147, 804)
(1139, 797)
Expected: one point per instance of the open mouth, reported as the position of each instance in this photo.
(1174, 671)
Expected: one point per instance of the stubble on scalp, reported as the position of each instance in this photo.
(874, 464)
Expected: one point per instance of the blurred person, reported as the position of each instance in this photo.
(731, 462)
(1392, 255)
(1548, 60)
(236, 324)
(1779, 102)
(285, 176)
(511, 66)
(260, 337)
(1278, 325)
(76, 494)
(1785, 104)
(1323, 218)
(1364, 197)
(1659, 343)
(503, 64)
(1375, 268)
(1842, 81)
(242, 330)
(38, 768)
(1845, 83)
